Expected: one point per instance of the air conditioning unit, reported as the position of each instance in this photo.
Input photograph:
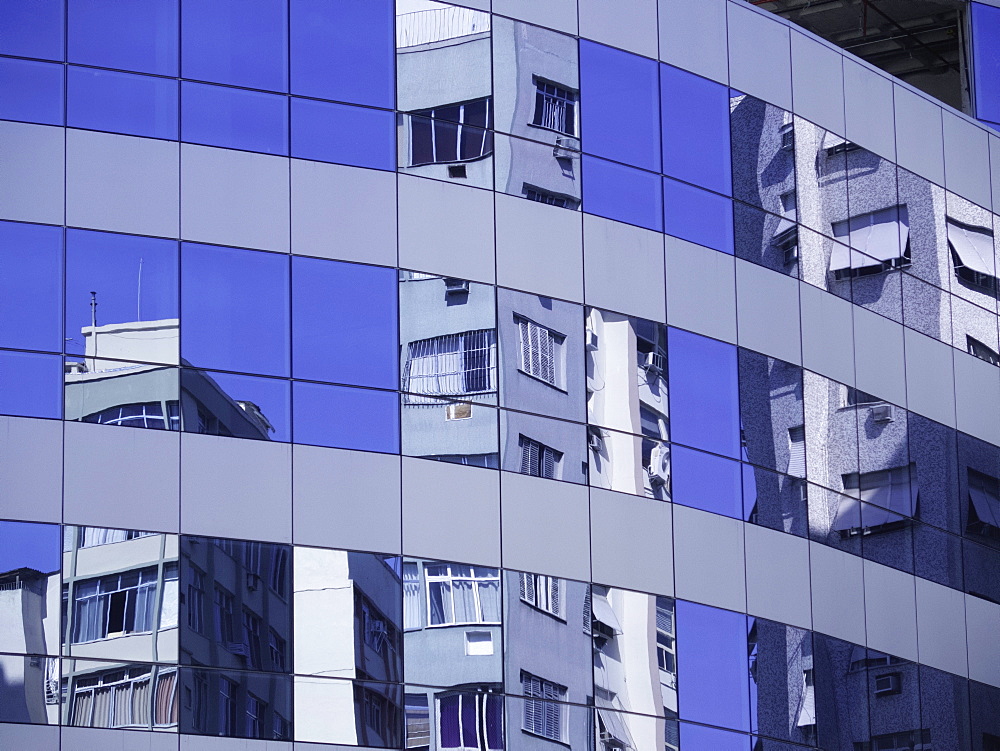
(882, 413)
(252, 581)
(566, 147)
(591, 340)
(654, 363)
(595, 442)
(887, 684)
(454, 286)
(659, 465)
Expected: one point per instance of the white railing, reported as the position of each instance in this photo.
(439, 25)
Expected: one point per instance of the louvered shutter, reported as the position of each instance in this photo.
(529, 456)
(536, 362)
(528, 588)
(555, 596)
(588, 616)
(547, 369)
(548, 468)
(797, 451)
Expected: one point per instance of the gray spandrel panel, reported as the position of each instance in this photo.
(827, 334)
(778, 576)
(941, 629)
(966, 159)
(34, 176)
(759, 55)
(890, 611)
(838, 596)
(918, 134)
(767, 312)
(631, 542)
(559, 15)
(31, 470)
(641, 292)
(976, 397)
(878, 352)
(869, 112)
(709, 559)
(930, 378)
(982, 618)
(701, 290)
(693, 37)
(629, 25)
(817, 82)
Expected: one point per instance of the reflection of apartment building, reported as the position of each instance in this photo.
(627, 404)
(29, 629)
(126, 391)
(452, 621)
(344, 692)
(120, 613)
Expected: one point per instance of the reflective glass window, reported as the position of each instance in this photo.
(139, 36)
(339, 133)
(127, 286)
(32, 91)
(697, 216)
(235, 308)
(347, 418)
(121, 103)
(712, 665)
(31, 558)
(986, 49)
(704, 393)
(695, 129)
(235, 405)
(236, 611)
(450, 431)
(30, 286)
(239, 42)
(699, 738)
(619, 105)
(236, 704)
(32, 28)
(782, 686)
(707, 482)
(622, 193)
(112, 392)
(138, 696)
(234, 118)
(31, 384)
(333, 59)
(343, 322)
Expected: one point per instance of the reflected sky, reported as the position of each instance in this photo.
(24, 545)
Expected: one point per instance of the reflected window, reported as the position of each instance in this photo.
(555, 108)
(462, 594)
(857, 398)
(879, 241)
(552, 199)
(666, 645)
(454, 133)
(977, 349)
(144, 415)
(121, 698)
(542, 592)
(90, 537)
(224, 626)
(227, 706)
(541, 352)
(470, 721)
(114, 605)
(984, 504)
(418, 721)
(886, 496)
(909, 740)
(196, 601)
(538, 460)
(542, 715)
(254, 711)
(451, 365)
(973, 255)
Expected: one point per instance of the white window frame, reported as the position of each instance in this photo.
(478, 576)
(448, 365)
(555, 108)
(119, 687)
(482, 701)
(540, 352)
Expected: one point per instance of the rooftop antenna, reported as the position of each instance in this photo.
(93, 320)
(138, 295)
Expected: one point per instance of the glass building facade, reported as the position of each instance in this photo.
(566, 374)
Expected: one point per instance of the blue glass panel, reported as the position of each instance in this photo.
(35, 546)
(695, 129)
(343, 134)
(30, 286)
(122, 103)
(622, 193)
(234, 118)
(235, 309)
(332, 60)
(32, 28)
(704, 393)
(342, 417)
(619, 106)
(712, 666)
(30, 384)
(236, 405)
(698, 738)
(133, 279)
(697, 216)
(706, 481)
(986, 52)
(344, 323)
(239, 42)
(32, 91)
(141, 36)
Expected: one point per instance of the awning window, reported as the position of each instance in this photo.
(875, 239)
(973, 247)
(604, 614)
